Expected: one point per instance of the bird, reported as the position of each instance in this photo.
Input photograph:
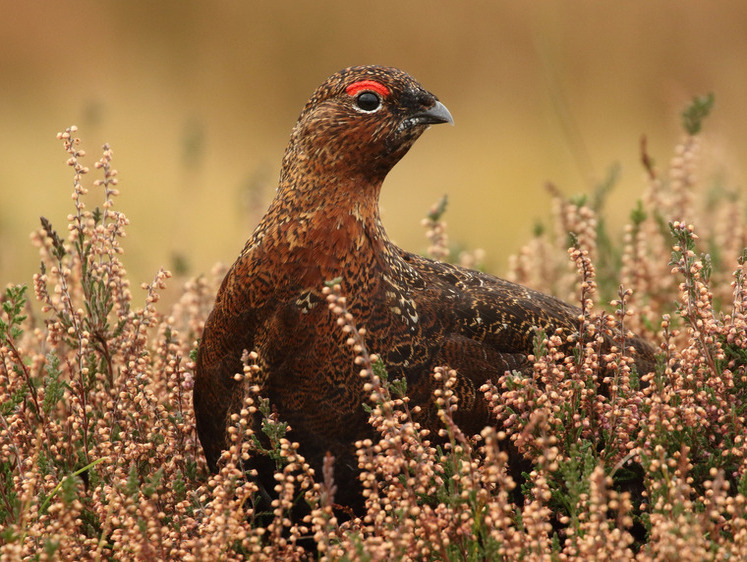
(324, 224)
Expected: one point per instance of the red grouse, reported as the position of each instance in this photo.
(324, 224)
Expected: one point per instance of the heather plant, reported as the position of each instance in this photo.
(98, 451)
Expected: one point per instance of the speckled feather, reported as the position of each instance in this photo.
(324, 224)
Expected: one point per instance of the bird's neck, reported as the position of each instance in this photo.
(331, 197)
(336, 217)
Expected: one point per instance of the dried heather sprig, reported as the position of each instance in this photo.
(436, 231)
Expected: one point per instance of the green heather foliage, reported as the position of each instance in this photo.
(99, 457)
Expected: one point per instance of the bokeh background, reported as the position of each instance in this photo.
(197, 100)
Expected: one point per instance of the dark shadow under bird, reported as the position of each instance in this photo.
(324, 224)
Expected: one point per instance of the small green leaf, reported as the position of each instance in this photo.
(50, 547)
(133, 482)
(379, 370)
(69, 489)
(693, 115)
(742, 486)
(638, 215)
(439, 209)
(58, 247)
(54, 389)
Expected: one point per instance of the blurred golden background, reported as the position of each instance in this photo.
(197, 100)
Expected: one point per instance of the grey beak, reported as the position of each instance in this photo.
(436, 114)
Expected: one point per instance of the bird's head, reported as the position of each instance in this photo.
(362, 120)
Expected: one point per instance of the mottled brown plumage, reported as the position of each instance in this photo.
(324, 224)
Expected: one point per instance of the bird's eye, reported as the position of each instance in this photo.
(368, 102)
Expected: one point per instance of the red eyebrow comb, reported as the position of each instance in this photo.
(371, 85)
